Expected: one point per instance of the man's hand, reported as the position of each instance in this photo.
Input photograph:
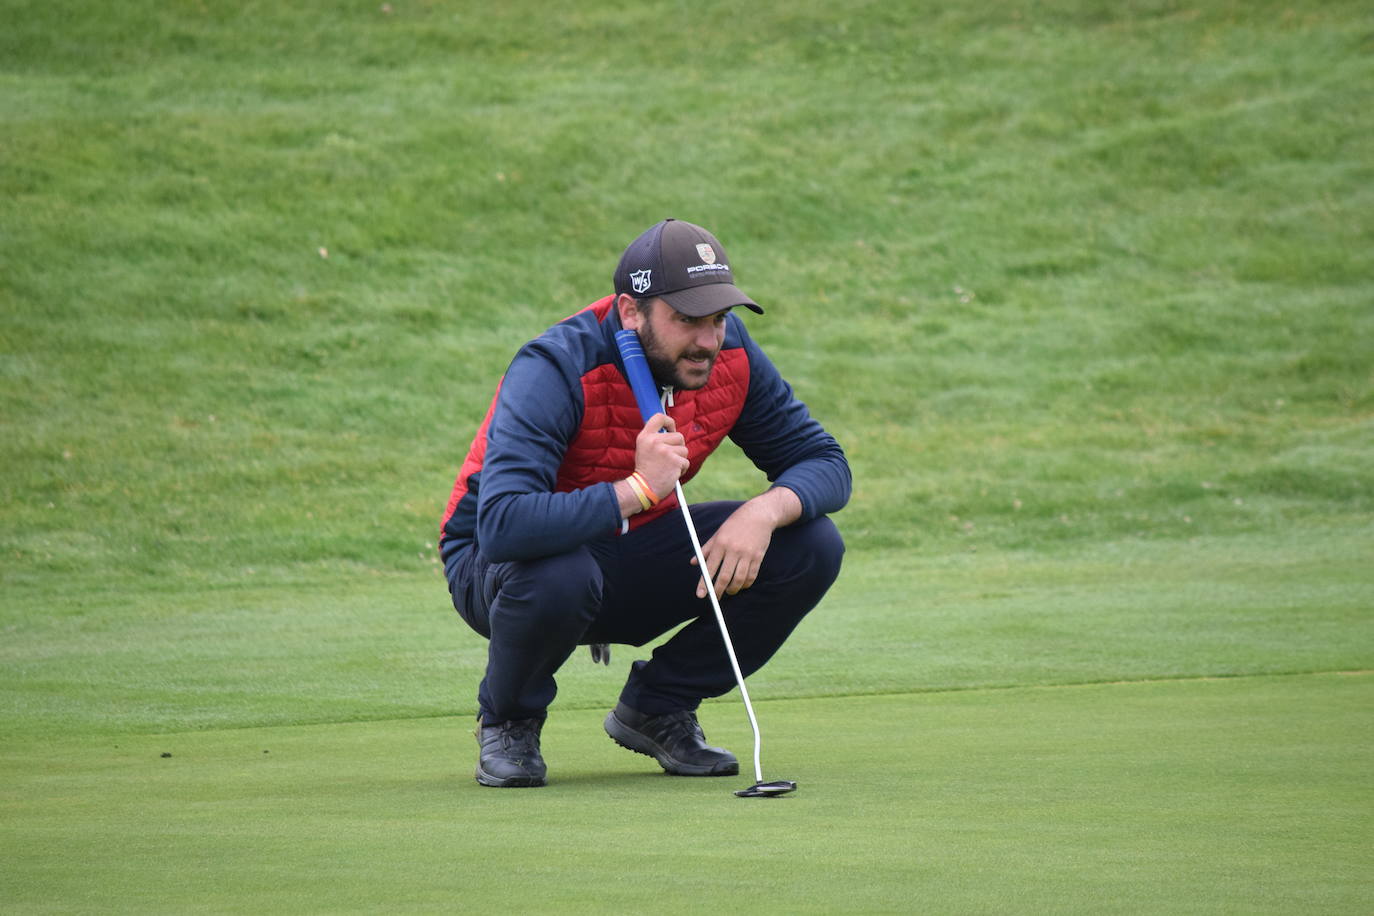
(661, 456)
(735, 552)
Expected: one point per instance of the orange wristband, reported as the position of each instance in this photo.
(654, 499)
(639, 493)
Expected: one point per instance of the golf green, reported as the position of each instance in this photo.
(1252, 794)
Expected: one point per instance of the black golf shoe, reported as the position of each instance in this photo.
(509, 755)
(674, 739)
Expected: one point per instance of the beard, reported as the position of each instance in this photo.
(665, 367)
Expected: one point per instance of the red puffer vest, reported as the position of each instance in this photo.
(604, 448)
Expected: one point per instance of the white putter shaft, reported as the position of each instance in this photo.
(637, 367)
(724, 632)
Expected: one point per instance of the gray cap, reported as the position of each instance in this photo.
(685, 266)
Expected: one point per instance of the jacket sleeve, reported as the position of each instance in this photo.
(784, 441)
(519, 516)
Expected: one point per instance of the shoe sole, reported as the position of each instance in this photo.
(513, 782)
(640, 743)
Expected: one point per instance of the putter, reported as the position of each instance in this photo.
(642, 383)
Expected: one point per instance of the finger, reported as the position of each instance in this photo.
(668, 443)
(701, 586)
(726, 576)
(712, 564)
(744, 577)
(660, 422)
(751, 576)
(702, 581)
(743, 574)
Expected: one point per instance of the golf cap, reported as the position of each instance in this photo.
(685, 266)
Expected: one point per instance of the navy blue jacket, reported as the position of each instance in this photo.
(538, 478)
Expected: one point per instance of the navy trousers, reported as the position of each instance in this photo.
(630, 590)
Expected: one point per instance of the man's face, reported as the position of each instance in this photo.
(681, 349)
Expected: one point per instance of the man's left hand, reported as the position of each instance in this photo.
(735, 552)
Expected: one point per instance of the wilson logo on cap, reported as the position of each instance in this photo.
(640, 281)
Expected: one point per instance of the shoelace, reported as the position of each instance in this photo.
(682, 724)
(519, 734)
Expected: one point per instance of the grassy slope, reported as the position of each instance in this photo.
(1069, 276)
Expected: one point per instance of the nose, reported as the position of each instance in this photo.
(710, 338)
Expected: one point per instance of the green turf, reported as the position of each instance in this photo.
(269, 655)
(1058, 272)
(1209, 795)
(1085, 289)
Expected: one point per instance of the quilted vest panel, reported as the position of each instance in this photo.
(604, 447)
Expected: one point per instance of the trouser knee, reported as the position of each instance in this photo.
(828, 546)
(547, 597)
(814, 551)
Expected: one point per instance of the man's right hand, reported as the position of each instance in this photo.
(661, 456)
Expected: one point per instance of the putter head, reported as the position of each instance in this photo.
(768, 789)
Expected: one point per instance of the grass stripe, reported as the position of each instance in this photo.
(1181, 796)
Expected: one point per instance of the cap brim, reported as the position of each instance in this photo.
(709, 298)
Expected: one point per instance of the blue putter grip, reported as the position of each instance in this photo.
(637, 371)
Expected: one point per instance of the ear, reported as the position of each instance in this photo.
(628, 309)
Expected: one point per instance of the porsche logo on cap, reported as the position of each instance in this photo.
(707, 253)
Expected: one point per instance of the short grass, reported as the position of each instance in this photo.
(1179, 796)
(258, 655)
(1086, 290)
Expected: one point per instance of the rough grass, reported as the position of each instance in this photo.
(263, 264)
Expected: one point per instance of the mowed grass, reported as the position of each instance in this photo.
(1072, 272)
(1085, 289)
(273, 655)
(1182, 796)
